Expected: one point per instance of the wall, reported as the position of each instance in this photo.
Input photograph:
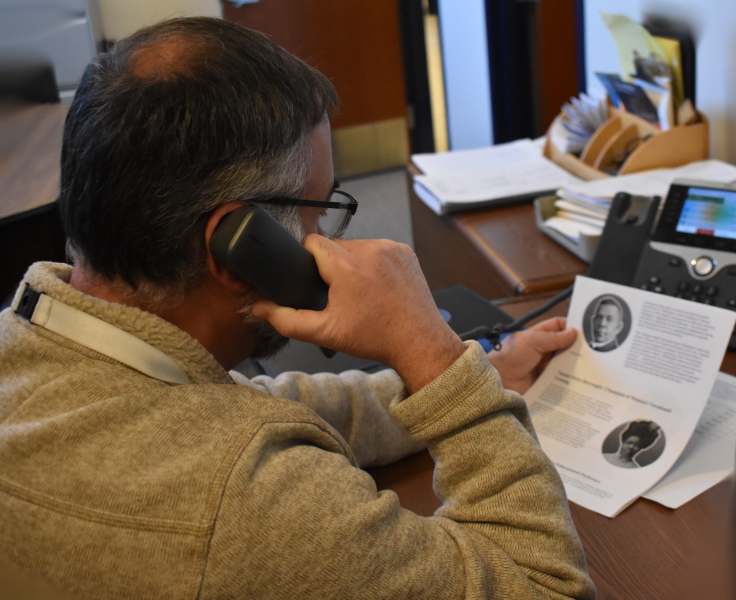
(467, 78)
(120, 18)
(713, 22)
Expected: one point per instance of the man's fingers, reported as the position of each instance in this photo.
(263, 308)
(289, 322)
(323, 250)
(553, 324)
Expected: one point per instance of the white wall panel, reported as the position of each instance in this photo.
(122, 17)
(467, 77)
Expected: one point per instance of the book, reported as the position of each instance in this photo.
(607, 80)
(635, 100)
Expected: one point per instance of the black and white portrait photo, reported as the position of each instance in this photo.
(606, 323)
(634, 444)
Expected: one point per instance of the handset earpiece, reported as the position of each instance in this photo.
(264, 254)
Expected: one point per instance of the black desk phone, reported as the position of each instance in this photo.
(689, 253)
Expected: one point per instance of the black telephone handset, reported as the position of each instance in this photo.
(261, 251)
(625, 235)
(689, 253)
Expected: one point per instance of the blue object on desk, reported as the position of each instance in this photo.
(486, 343)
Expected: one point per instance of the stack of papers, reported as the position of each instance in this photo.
(656, 182)
(578, 214)
(504, 173)
(623, 407)
(583, 205)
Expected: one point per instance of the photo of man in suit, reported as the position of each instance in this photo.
(607, 323)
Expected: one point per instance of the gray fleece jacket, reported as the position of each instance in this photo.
(117, 485)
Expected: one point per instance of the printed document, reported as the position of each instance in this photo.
(465, 179)
(656, 182)
(451, 164)
(615, 411)
(709, 455)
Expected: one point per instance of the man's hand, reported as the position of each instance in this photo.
(379, 308)
(525, 354)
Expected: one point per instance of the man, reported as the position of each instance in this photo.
(133, 467)
(606, 323)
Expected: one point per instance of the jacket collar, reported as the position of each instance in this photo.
(201, 367)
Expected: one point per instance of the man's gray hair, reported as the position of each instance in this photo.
(175, 120)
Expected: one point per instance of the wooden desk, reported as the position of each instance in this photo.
(497, 252)
(640, 554)
(30, 229)
(29, 157)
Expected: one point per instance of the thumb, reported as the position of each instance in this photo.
(551, 341)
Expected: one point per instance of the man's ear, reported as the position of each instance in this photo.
(222, 272)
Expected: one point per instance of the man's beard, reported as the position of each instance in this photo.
(271, 342)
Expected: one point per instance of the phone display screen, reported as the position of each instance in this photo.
(708, 212)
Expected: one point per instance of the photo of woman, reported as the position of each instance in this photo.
(634, 444)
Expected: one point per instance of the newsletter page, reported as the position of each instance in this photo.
(615, 411)
(709, 455)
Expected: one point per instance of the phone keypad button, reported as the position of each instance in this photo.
(731, 303)
(675, 262)
(697, 289)
(654, 280)
(711, 290)
(683, 286)
(658, 289)
(710, 301)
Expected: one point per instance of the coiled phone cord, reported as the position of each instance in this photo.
(493, 334)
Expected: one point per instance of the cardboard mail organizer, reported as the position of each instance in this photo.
(636, 145)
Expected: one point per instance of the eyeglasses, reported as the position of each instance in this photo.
(335, 216)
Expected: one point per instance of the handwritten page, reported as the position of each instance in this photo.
(615, 411)
(709, 455)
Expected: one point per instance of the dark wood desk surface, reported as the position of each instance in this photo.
(29, 157)
(30, 228)
(497, 252)
(640, 554)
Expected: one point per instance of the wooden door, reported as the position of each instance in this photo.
(357, 45)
